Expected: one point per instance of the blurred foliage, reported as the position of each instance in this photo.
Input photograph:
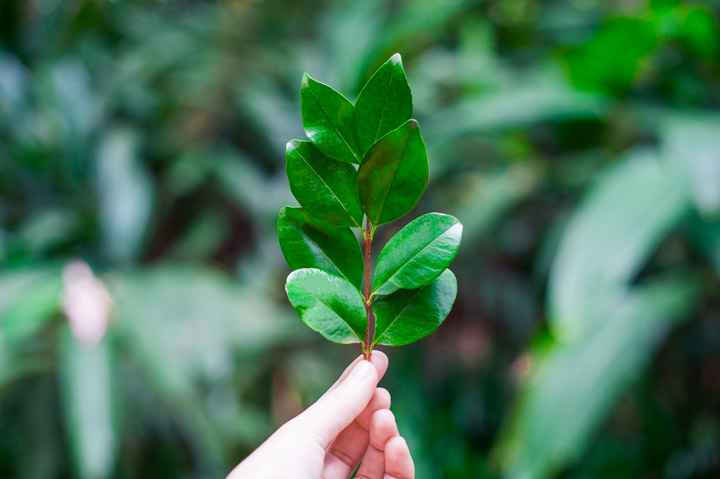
(577, 140)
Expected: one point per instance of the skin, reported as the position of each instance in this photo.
(349, 423)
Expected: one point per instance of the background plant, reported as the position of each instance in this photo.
(573, 139)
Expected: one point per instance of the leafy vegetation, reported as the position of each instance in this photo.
(576, 141)
(389, 182)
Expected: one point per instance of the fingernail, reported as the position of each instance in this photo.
(360, 371)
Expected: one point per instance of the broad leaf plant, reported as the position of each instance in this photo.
(365, 165)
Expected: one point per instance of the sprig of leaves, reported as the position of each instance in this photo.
(365, 165)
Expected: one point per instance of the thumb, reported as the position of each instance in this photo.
(339, 407)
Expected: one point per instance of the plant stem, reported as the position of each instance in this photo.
(368, 300)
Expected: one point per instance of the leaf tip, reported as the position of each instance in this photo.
(291, 145)
(305, 80)
(396, 59)
(412, 124)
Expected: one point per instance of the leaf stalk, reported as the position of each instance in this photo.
(368, 237)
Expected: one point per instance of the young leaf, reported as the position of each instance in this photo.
(408, 315)
(384, 104)
(328, 304)
(328, 120)
(393, 174)
(418, 253)
(308, 243)
(324, 187)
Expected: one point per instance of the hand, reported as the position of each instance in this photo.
(349, 423)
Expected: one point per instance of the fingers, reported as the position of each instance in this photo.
(382, 429)
(398, 462)
(378, 359)
(339, 407)
(347, 450)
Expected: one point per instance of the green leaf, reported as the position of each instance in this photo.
(328, 120)
(574, 385)
(326, 188)
(125, 194)
(384, 104)
(29, 297)
(328, 304)
(618, 225)
(418, 253)
(308, 243)
(393, 174)
(89, 405)
(408, 315)
(691, 142)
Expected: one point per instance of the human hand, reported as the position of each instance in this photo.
(349, 423)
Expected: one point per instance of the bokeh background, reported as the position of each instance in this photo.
(577, 140)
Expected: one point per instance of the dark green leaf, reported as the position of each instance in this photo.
(418, 253)
(328, 304)
(308, 243)
(393, 174)
(384, 104)
(409, 315)
(326, 188)
(328, 120)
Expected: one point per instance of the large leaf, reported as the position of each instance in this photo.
(408, 315)
(29, 297)
(328, 120)
(616, 228)
(418, 253)
(576, 384)
(89, 405)
(125, 192)
(328, 304)
(326, 188)
(393, 174)
(384, 104)
(308, 243)
(692, 143)
(220, 327)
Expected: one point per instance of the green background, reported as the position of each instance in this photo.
(578, 141)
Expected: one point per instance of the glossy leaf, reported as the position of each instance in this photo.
(384, 104)
(393, 174)
(408, 315)
(418, 253)
(308, 243)
(326, 188)
(328, 120)
(328, 304)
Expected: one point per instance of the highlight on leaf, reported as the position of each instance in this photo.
(418, 253)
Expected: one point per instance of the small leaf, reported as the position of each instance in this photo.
(418, 253)
(384, 104)
(393, 174)
(409, 315)
(326, 188)
(328, 120)
(308, 243)
(328, 304)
